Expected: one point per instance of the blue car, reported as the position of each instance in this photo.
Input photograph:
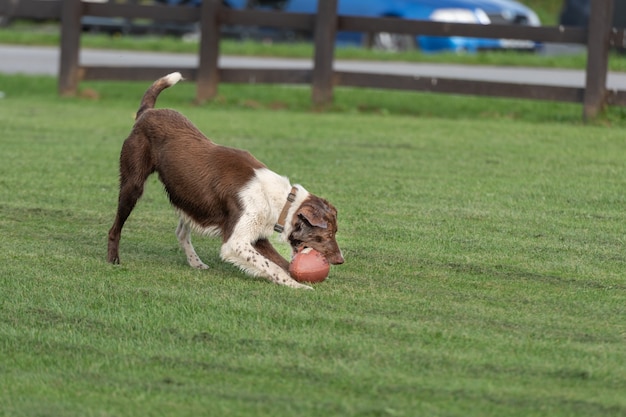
(458, 11)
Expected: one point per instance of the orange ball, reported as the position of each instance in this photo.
(308, 265)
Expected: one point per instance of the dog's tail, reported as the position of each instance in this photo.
(151, 94)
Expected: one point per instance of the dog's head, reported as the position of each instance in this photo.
(315, 225)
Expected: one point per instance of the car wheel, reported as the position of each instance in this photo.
(393, 42)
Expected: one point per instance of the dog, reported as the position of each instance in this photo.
(220, 191)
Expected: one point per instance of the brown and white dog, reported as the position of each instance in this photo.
(219, 191)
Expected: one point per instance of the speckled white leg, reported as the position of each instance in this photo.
(183, 233)
(242, 254)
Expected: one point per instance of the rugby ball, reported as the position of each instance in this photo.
(308, 265)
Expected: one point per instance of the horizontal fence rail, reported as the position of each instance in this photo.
(599, 37)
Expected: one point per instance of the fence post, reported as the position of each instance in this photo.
(208, 72)
(598, 44)
(71, 11)
(325, 31)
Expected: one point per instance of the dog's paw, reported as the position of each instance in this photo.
(296, 284)
(195, 262)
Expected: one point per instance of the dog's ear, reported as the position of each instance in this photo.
(313, 216)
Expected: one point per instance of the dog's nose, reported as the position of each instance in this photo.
(337, 259)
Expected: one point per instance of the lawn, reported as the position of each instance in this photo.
(484, 276)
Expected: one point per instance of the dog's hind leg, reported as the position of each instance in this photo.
(183, 233)
(135, 167)
(127, 200)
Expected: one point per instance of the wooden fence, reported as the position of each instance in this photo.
(599, 37)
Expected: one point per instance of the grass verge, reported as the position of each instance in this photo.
(26, 33)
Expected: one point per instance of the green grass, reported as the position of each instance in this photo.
(484, 245)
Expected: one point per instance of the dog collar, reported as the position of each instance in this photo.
(280, 224)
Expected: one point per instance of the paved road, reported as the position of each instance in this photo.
(45, 60)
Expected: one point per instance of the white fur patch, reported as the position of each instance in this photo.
(201, 230)
(263, 199)
(173, 78)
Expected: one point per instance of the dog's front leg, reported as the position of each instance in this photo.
(250, 260)
(268, 251)
(183, 233)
